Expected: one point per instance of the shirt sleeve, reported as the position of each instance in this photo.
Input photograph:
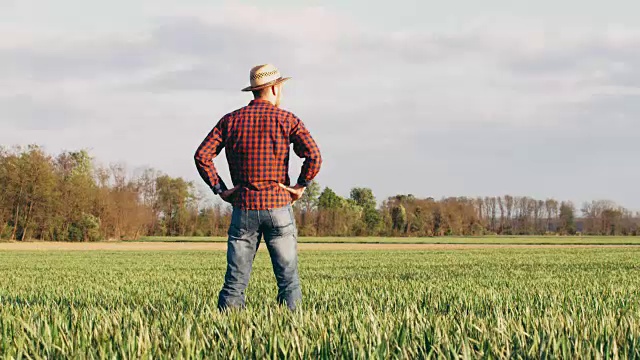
(210, 147)
(305, 147)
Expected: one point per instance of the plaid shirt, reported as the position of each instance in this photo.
(256, 138)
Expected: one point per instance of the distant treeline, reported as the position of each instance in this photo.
(67, 198)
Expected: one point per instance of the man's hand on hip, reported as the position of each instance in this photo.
(227, 194)
(296, 191)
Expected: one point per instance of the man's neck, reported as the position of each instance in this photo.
(270, 101)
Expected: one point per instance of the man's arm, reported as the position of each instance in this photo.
(305, 147)
(207, 151)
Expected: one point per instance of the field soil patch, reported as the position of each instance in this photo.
(218, 246)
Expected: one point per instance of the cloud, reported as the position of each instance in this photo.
(27, 112)
(479, 110)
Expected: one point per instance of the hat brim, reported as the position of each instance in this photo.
(270, 83)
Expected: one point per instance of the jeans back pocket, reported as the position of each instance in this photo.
(236, 228)
(282, 220)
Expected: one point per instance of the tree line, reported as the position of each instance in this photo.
(66, 197)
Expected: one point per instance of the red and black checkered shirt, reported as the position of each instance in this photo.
(256, 138)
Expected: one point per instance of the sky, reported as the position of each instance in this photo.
(456, 98)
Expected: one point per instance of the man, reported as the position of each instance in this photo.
(257, 139)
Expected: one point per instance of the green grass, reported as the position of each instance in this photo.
(525, 240)
(500, 303)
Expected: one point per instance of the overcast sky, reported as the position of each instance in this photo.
(433, 98)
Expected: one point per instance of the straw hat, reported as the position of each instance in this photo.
(263, 76)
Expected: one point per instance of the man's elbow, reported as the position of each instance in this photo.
(318, 161)
(199, 157)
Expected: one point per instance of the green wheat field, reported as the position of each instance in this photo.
(471, 303)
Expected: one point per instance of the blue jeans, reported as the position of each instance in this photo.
(280, 234)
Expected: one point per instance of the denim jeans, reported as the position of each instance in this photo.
(280, 234)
